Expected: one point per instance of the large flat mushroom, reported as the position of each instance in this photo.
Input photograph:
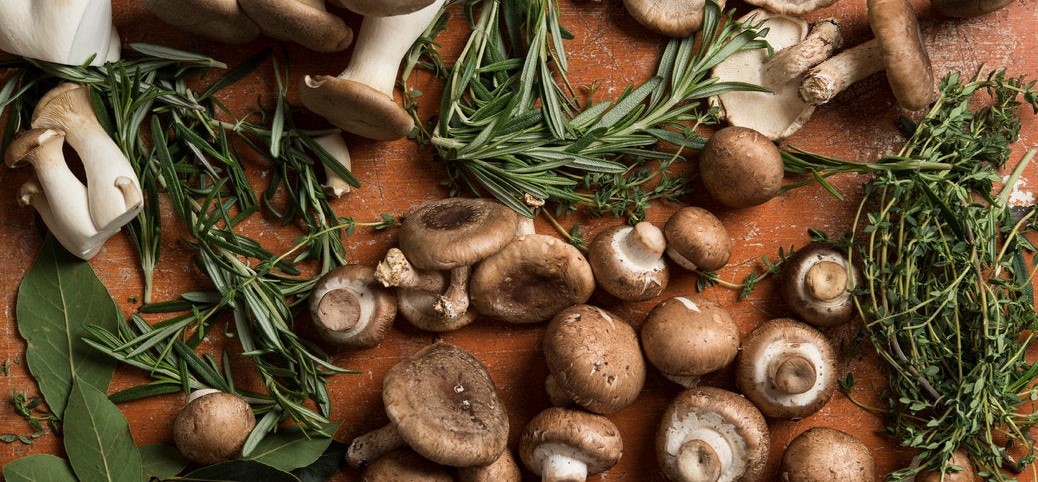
(306, 22)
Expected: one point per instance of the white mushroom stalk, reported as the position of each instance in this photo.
(334, 185)
(561, 462)
(791, 62)
(836, 74)
(67, 32)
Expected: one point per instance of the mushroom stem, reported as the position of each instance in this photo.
(334, 185)
(561, 467)
(791, 62)
(455, 302)
(201, 392)
(644, 244)
(396, 270)
(831, 77)
(557, 396)
(71, 226)
(826, 280)
(792, 374)
(342, 308)
(372, 445)
(697, 461)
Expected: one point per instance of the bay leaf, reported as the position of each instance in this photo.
(58, 297)
(241, 470)
(290, 449)
(36, 468)
(161, 461)
(329, 464)
(97, 438)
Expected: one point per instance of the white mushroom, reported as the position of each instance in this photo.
(67, 32)
(333, 144)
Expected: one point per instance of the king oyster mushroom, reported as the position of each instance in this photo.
(817, 282)
(350, 309)
(627, 261)
(823, 454)
(696, 239)
(383, 8)
(213, 426)
(560, 445)
(305, 22)
(688, 337)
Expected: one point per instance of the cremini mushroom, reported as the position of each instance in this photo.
(958, 469)
(442, 403)
(628, 261)
(69, 32)
(688, 337)
(220, 20)
(404, 464)
(305, 22)
(707, 433)
(360, 99)
(334, 145)
(817, 283)
(741, 167)
(383, 8)
(827, 454)
(594, 358)
(504, 469)
(560, 444)
(786, 368)
(781, 112)
(667, 17)
(696, 239)
(213, 426)
(897, 48)
(349, 308)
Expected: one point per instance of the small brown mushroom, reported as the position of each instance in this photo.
(404, 464)
(220, 20)
(817, 283)
(696, 239)
(306, 22)
(213, 426)
(740, 167)
(686, 338)
(628, 261)
(504, 469)
(958, 469)
(667, 17)
(383, 8)
(823, 454)
(350, 309)
(787, 369)
(563, 445)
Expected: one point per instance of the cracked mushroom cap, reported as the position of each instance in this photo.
(355, 107)
(220, 20)
(741, 167)
(907, 62)
(383, 8)
(446, 407)
(816, 285)
(696, 239)
(531, 279)
(305, 22)
(453, 232)
(213, 426)
(628, 261)
(404, 464)
(826, 454)
(594, 357)
(669, 17)
(350, 308)
(708, 433)
(563, 442)
(787, 369)
(686, 338)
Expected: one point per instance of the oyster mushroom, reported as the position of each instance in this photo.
(69, 32)
(568, 445)
(220, 20)
(305, 22)
(213, 426)
(383, 8)
(826, 454)
(350, 309)
(627, 261)
(817, 283)
(696, 239)
(686, 338)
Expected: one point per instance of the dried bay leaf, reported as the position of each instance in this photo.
(97, 438)
(35, 468)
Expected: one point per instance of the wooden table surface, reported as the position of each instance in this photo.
(611, 51)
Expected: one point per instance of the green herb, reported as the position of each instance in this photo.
(34, 468)
(97, 438)
(240, 471)
(33, 411)
(749, 283)
(5, 367)
(161, 461)
(291, 449)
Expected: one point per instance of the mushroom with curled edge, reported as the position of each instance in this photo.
(504, 469)
(696, 239)
(350, 309)
(360, 99)
(442, 403)
(628, 261)
(710, 434)
(817, 282)
(781, 112)
(787, 369)
(686, 338)
(305, 22)
(667, 17)
(383, 8)
(594, 358)
(404, 464)
(68, 32)
(741, 167)
(220, 20)
(897, 48)
(823, 454)
(563, 445)
(213, 426)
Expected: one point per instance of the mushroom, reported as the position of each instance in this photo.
(306, 22)
(213, 426)
(443, 404)
(897, 48)
(791, 7)
(113, 192)
(967, 8)
(360, 99)
(419, 305)
(383, 8)
(350, 309)
(817, 282)
(710, 434)
(696, 239)
(69, 32)
(781, 112)
(504, 469)
(220, 20)
(787, 369)
(686, 338)
(959, 468)
(333, 145)
(740, 167)
(404, 464)
(594, 358)
(627, 261)
(531, 279)
(667, 17)
(568, 445)
(826, 454)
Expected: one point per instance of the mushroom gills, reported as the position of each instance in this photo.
(351, 316)
(777, 353)
(721, 436)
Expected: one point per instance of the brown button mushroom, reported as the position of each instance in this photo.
(383, 8)
(306, 22)
(787, 369)
(442, 403)
(686, 338)
(740, 167)
(696, 239)
(350, 309)
(594, 358)
(958, 469)
(708, 433)
(897, 48)
(404, 464)
(667, 17)
(220, 20)
(826, 454)
(568, 445)
(817, 283)
(504, 469)
(213, 426)
(628, 261)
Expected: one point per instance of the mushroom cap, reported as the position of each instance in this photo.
(594, 357)
(967, 8)
(907, 62)
(959, 458)
(782, 345)
(628, 261)
(213, 427)
(504, 469)
(304, 22)
(740, 167)
(383, 8)
(220, 20)
(531, 279)
(667, 17)
(454, 232)
(591, 438)
(776, 114)
(689, 337)
(729, 423)
(446, 407)
(66, 107)
(791, 7)
(350, 308)
(419, 308)
(826, 454)
(816, 287)
(23, 148)
(696, 239)
(355, 107)
(404, 464)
